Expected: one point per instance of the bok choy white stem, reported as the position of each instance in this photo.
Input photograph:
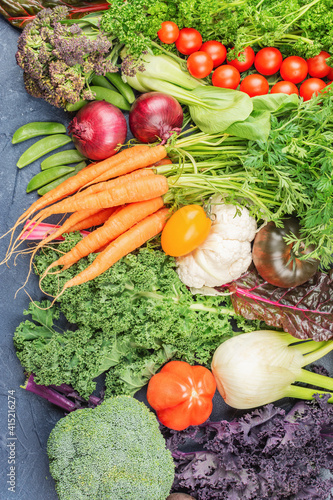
(257, 368)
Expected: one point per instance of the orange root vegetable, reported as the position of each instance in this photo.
(116, 225)
(123, 162)
(147, 158)
(140, 189)
(95, 219)
(128, 242)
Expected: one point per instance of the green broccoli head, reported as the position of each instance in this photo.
(112, 452)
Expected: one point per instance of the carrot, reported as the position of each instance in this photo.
(140, 189)
(121, 246)
(95, 219)
(94, 189)
(148, 158)
(117, 224)
(122, 163)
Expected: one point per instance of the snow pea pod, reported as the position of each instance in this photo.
(102, 94)
(62, 158)
(34, 129)
(42, 147)
(48, 187)
(101, 81)
(124, 88)
(47, 176)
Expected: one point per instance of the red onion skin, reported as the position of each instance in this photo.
(97, 129)
(155, 116)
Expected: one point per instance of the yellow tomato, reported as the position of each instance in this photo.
(185, 230)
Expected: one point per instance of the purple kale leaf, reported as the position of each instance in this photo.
(265, 454)
(305, 311)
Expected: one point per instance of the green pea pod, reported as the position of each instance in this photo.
(124, 88)
(34, 129)
(101, 81)
(108, 95)
(62, 158)
(48, 187)
(47, 176)
(42, 147)
(72, 107)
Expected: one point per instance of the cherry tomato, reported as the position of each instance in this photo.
(284, 87)
(317, 65)
(185, 230)
(169, 32)
(294, 69)
(226, 76)
(268, 61)
(188, 41)
(216, 50)
(311, 86)
(247, 56)
(182, 394)
(254, 85)
(330, 74)
(276, 261)
(200, 64)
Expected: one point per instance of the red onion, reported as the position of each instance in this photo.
(154, 116)
(97, 129)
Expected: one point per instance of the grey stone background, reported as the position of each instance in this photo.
(34, 417)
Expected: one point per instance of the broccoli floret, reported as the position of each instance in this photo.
(112, 452)
(59, 60)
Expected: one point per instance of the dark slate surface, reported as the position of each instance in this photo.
(34, 417)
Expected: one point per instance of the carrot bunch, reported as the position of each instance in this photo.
(120, 195)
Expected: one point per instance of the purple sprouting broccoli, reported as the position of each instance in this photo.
(266, 454)
(62, 396)
(60, 59)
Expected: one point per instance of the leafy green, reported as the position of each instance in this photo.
(129, 322)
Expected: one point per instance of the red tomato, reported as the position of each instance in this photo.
(247, 56)
(186, 229)
(310, 87)
(216, 50)
(330, 74)
(188, 41)
(317, 65)
(200, 64)
(268, 61)
(284, 87)
(182, 394)
(169, 32)
(294, 69)
(226, 76)
(254, 85)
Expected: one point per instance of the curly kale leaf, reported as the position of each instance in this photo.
(129, 322)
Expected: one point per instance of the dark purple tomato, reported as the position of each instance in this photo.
(276, 261)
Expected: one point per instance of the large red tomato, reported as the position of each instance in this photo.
(283, 87)
(199, 64)
(216, 50)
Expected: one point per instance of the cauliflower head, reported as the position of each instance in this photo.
(225, 254)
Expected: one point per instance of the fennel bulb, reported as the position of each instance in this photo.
(257, 368)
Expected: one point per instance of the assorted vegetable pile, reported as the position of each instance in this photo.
(193, 259)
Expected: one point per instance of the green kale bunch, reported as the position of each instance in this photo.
(59, 59)
(114, 451)
(129, 322)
